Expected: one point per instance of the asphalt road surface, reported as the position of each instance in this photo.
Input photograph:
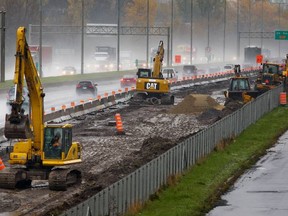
(262, 190)
(63, 95)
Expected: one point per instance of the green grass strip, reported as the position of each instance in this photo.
(198, 189)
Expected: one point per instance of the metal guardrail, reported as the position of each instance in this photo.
(137, 187)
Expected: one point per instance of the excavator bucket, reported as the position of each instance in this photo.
(17, 129)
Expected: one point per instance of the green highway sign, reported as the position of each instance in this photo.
(281, 35)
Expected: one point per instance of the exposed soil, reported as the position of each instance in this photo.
(108, 157)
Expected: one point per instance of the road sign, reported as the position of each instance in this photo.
(259, 59)
(281, 35)
(177, 58)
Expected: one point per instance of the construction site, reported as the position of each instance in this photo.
(107, 157)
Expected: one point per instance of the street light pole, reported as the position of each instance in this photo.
(224, 36)
(249, 20)
(82, 39)
(2, 46)
(262, 25)
(147, 44)
(279, 27)
(118, 34)
(40, 41)
(191, 33)
(172, 23)
(238, 37)
(208, 35)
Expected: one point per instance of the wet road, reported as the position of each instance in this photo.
(262, 190)
(63, 95)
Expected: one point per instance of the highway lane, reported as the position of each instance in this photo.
(262, 190)
(63, 95)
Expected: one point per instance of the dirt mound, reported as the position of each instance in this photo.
(195, 104)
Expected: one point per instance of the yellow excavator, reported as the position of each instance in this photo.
(151, 87)
(34, 155)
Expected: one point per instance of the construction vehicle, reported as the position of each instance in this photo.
(269, 77)
(239, 88)
(33, 156)
(151, 87)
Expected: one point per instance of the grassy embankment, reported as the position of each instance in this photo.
(198, 189)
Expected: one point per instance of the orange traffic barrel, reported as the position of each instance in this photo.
(119, 125)
(2, 166)
(283, 98)
(63, 107)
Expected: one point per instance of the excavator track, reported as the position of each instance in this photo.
(10, 177)
(60, 179)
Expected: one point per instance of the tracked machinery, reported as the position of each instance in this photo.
(33, 156)
(239, 89)
(151, 87)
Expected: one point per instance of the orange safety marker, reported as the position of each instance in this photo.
(72, 104)
(113, 92)
(63, 107)
(52, 109)
(2, 166)
(105, 94)
(126, 89)
(119, 125)
(82, 102)
(98, 97)
(119, 90)
(283, 98)
(90, 100)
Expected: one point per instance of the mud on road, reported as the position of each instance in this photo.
(108, 157)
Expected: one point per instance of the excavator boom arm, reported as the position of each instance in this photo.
(158, 59)
(17, 124)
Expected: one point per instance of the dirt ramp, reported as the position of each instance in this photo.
(195, 104)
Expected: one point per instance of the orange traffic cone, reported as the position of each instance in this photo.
(119, 125)
(2, 166)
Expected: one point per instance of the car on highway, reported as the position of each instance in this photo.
(228, 67)
(128, 80)
(86, 87)
(170, 74)
(190, 69)
(10, 97)
(69, 70)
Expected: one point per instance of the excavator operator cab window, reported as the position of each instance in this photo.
(56, 141)
(271, 69)
(144, 73)
(240, 84)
